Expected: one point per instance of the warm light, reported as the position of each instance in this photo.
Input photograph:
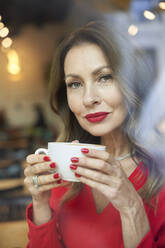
(13, 62)
(133, 30)
(7, 42)
(149, 15)
(4, 32)
(162, 5)
(0, 18)
(161, 126)
(1, 25)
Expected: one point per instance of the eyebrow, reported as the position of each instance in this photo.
(95, 72)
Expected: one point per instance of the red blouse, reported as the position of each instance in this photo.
(78, 225)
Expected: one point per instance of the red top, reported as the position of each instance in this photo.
(78, 225)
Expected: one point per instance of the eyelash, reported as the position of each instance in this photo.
(107, 77)
(75, 85)
(72, 85)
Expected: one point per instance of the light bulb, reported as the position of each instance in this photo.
(162, 5)
(7, 42)
(133, 30)
(4, 32)
(149, 15)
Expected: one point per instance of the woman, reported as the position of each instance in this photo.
(95, 88)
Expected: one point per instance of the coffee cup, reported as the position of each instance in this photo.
(62, 152)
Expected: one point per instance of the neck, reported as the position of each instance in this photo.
(117, 143)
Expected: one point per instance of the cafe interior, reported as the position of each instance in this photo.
(30, 31)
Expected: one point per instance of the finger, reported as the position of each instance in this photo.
(35, 191)
(93, 184)
(47, 187)
(103, 155)
(40, 168)
(94, 163)
(42, 179)
(100, 177)
(46, 179)
(51, 186)
(36, 158)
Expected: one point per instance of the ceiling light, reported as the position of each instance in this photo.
(13, 66)
(133, 30)
(161, 126)
(4, 32)
(149, 15)
(162, 5)
(7, 42)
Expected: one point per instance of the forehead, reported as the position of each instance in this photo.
(83, 55)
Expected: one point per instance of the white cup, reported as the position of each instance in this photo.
(62, 152)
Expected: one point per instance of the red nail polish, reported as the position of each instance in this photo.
(73, 167)
(59, 181)
(53, 165)
(46, 158)
(56, 175)
(77, 175)
(85, 150)
(74, 160)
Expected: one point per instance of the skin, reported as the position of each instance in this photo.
(90, 92)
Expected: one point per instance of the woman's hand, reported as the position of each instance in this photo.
(101, 171)
(48, 178)
(41, 166)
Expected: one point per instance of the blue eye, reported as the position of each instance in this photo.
(106, 78)
(74, 85)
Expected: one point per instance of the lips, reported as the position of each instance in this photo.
(96, 117)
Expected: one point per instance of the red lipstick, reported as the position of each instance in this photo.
(96, 117)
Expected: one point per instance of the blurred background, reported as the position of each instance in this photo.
(29, 34)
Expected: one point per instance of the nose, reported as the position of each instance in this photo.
(91, 96)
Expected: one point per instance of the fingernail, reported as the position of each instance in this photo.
(59, 181)
(56, 175)
(77, 175)
(53, 165)
(46, 158)
(73, 167)
(85, 150)
(74, 160)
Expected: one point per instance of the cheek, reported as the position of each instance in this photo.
(70, 104)
(73, 103)
(113, 98)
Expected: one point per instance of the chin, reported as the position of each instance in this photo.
(98, 132)
(97, 129)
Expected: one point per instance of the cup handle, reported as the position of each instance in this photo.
(41, 151)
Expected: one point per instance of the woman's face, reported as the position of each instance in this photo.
(93, 96)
